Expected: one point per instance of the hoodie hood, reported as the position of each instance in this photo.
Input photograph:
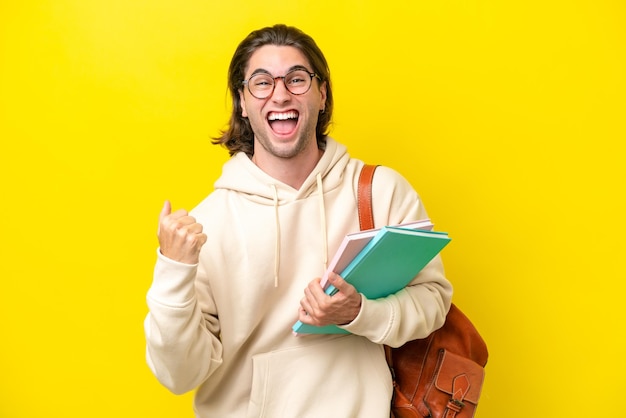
(241, 175)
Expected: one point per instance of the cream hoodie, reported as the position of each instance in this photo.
(223, 326)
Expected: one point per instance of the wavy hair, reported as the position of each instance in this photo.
(238, 136)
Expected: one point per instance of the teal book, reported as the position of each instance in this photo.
(386, 264)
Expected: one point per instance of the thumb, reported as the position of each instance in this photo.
(166, 210)
(336, 280)
(341, 285)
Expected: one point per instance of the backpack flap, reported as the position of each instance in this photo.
(456, 388)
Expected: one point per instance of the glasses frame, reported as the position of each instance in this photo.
(270, 92)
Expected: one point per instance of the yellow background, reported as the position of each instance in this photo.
(507, 116)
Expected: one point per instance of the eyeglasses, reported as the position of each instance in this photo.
(262, 85)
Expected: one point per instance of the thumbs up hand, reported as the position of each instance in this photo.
(180, 236)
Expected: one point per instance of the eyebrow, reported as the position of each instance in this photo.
(292, 68)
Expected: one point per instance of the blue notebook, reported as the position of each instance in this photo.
(384, 266)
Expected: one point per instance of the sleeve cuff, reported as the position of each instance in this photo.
(173, 282)
(371, 322)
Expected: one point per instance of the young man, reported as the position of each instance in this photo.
(233, 275)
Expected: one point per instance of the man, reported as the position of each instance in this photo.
(230, 274)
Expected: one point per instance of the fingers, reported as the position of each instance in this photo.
(180, 236)
(318, 308)
(313, 296)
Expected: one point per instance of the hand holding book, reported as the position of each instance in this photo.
(389, 260)
(318, 308)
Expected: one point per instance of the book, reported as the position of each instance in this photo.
(385, 265)
(353, 243)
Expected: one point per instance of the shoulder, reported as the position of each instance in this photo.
(386, 181)
(213, 207)
(388, 178)
(394, 198)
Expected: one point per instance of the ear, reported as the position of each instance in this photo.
(323, 96)
(242, 102)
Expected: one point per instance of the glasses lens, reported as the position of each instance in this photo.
(298, 81)
(261, 85)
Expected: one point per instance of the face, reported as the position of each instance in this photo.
(284, 123)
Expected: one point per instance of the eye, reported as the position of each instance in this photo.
(297, 78)
(261, 81)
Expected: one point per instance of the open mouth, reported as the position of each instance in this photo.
(283, 123)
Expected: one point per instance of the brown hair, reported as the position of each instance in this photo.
(239, 135)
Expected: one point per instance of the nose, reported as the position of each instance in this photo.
(280, 93)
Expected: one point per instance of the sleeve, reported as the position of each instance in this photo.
(182, 344)
(420, 308)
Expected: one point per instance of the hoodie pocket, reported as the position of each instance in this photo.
(342, 377)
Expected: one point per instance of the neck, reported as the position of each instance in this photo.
(291, 171)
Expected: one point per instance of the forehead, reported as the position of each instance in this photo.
(276, 59)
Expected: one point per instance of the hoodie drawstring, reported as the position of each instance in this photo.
(322, 209)
(277, 254)
(320, 193)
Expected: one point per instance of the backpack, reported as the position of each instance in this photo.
(440, 376)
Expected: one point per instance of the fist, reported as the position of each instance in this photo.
(180, 236)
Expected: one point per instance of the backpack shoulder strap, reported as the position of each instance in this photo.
(366, 221)
(364, 197)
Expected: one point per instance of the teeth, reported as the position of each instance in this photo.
(283, 116)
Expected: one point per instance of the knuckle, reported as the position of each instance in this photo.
(192, 239)
(325, 304)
